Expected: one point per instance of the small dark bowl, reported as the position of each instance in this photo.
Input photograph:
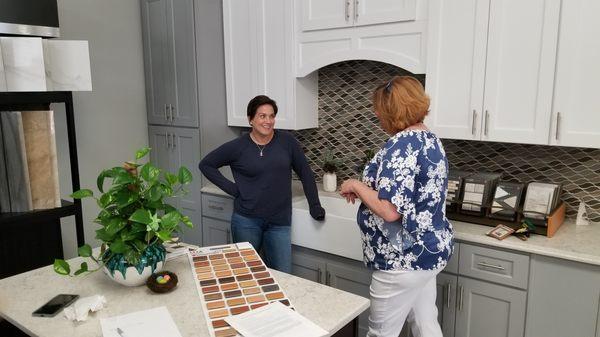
(161, 288)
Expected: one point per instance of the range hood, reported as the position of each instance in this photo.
(29, 18)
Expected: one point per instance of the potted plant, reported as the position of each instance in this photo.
(134, 220)
(369, 154)
(330, 167)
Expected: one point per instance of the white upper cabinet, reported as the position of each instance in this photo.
(330, 31)
(328, 14)
(576, 117)
(259, 44)
(491, 69)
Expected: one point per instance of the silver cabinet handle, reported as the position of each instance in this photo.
(171, 108)
(355, 10)
(448, 289)
(487, 117)
(493, 266)
(320, 276)
(328, 278)
(460, 297)
(174, 143)
(228, 235)
(168, 140)
(557, 125)
(474, 117)
(217, 208)
(166, 113)
(347, 9)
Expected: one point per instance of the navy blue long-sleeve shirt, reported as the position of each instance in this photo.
(263, 185)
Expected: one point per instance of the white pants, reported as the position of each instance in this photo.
(396, 295)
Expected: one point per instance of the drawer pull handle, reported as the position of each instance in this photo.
(228, 236)
(493, 266)
(320, 275)
(460, 297)
(218, 208)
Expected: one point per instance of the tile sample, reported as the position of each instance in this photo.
(249, 286)
(40, 145)
(16, 161)
(67, 65)
(23, 60)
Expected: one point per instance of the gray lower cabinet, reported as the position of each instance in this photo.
(173, 147)
(216, 232)
(564, 299)
(446, 302)
(490, 310)
(170, 62)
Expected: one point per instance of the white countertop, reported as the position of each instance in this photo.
(20, 295)
(571, 242)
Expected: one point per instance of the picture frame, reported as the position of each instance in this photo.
(500, 232)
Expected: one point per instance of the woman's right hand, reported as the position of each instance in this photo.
(347, 190)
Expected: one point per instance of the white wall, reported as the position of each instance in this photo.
(111, 120)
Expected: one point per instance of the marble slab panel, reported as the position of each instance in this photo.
(16, 161)
(4, 196)
(2, 75)
(40, 145)
(23, 61)
(67, 64)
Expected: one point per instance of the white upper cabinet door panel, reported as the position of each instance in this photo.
(456, 67)
(326, 14)
(368, 12)
(576, 95)
(521, 58)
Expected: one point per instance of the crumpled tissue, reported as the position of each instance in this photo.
(79, 310)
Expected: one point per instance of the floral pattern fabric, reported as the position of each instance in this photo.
(410, 171)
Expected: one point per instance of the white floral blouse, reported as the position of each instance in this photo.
(411, 171)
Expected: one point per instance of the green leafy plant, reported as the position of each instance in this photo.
(133, 213)
(369, 154)
(330, 164)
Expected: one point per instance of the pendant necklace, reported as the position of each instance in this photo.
(261, 148)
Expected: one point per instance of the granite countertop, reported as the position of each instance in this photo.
(21, 294)
(571, 242)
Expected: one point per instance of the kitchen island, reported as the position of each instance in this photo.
(329, 308)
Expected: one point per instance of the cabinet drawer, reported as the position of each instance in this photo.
(494, 265)
(217, 207)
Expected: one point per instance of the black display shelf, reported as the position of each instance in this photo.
(22, 101)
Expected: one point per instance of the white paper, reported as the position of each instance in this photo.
(274, 320)
(155, 322)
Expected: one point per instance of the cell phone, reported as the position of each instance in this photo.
(55, 305)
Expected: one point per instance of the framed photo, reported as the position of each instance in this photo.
(500, 232)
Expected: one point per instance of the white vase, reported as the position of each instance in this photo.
(132, 277)
(329, 182)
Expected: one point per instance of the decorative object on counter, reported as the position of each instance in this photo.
(330, 166)
(478, 188)
(582, 215)
(162, 282)
(135, 220)
(500, 232)
(507, 200)
(232, 279)
(541, 199)
(455, 189)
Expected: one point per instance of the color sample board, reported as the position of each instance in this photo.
(232, 279)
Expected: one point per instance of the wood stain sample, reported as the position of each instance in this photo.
(208, 283)
(229, 286)
(223, 273)
(256, 269)
(212, 297)
(239, 310)
(219, 324)
(263, 274)
(244, 277)
(256, 298)
(266, 281)
(215, 305)
(251, 291)
(236, 301)
(274, 296)
(248, 284)
(234, 293)
(254, 263)
(218, 313)
(229, 332)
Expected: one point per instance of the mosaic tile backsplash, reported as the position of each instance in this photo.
(348, 127)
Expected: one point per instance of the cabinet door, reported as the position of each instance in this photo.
(576, 121)
(563, 299)
(181, 90)
(486, 309)
(456, 67)
(215, 232)
(519, 73)
(368, 12)
(154, 29)
(353, 278)
(446, 302)
(308, 267)
(185, 151)
(160, 142)
(325, 14)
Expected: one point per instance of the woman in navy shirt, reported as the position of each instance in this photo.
(406, 237)
(262, 162)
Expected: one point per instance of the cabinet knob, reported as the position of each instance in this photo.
(347, 9)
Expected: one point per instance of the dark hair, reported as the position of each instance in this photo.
(257, 102)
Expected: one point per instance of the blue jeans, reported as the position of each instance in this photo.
(274, 239)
